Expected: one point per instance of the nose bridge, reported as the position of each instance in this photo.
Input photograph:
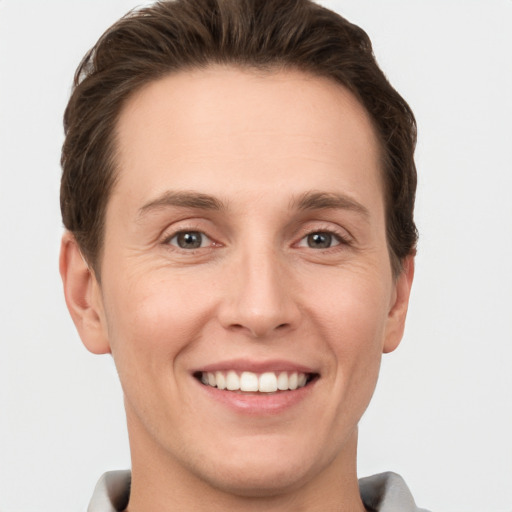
(262, 300)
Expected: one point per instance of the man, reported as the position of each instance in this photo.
(238, 191)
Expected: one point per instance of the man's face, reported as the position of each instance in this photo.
(245, 241)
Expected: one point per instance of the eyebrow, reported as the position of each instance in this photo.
(328, 200)
(182, 199)
(311, 200)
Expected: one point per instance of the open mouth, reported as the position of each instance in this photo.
(250, 382)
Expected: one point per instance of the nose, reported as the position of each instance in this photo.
(261, 301)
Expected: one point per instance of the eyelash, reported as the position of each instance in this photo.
(341, 239)
(169, 238)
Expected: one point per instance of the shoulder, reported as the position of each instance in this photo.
(387, 492)
(111, 493)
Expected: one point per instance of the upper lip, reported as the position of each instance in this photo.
(271, 365)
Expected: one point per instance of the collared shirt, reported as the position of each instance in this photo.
(385, 492)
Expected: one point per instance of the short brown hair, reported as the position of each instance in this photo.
(174, 35)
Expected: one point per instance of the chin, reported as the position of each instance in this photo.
(258, 481)
(263, 469)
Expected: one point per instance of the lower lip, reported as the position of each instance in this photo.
(258, 403)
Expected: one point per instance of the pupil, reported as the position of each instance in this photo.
(190, 240)
(320, 240)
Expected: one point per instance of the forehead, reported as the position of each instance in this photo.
(265, 129)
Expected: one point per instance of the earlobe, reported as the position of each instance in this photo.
(83, 297)
(398, 311)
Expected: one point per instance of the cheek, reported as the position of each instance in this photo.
(151, 324)
(155, 319)
(352, 308)
(355, 333)
(352, 317)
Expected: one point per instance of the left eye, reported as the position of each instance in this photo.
(320, 240)
(190, 240)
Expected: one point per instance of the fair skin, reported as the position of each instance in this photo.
(246, 233)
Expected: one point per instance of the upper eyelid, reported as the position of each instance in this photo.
(167, 238)
(181, 231)
(341, 239)
(182, 226)
(305, 229)
(332, 231)
(209, 244)
(325, 227)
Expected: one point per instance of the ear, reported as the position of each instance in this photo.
(83, 296)
(398, 307)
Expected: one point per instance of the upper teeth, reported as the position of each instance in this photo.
(267, 382)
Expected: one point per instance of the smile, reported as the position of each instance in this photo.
(250, 382)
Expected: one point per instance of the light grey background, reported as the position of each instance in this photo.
(442, 414)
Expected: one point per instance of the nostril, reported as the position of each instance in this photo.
(258, 331)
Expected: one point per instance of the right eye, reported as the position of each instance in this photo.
(321, 240)
(190, 240)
